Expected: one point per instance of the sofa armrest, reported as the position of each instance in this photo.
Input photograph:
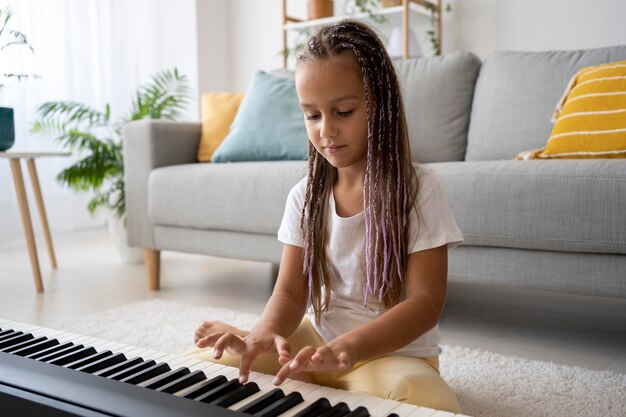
(150, 144)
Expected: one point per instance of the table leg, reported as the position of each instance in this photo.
(18, 179)
(42, 210)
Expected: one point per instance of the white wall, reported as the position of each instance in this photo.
(253, 33)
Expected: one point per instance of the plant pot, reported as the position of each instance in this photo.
(118, 232)
(390, 3)
(7, 128)
(320, 8)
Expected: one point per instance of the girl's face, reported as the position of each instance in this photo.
(332, 99)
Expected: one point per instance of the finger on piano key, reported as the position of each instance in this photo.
(265, 385)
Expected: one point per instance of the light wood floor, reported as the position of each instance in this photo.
(562, 328)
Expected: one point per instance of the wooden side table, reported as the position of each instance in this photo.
(16, 169)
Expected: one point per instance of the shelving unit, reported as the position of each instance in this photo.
(419, 9)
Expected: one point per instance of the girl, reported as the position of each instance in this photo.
(365, 241)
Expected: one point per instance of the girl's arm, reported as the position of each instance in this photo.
(426, 279)
(281, 317)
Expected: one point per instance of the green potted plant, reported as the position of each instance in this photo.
(9, 38)
(97, 140)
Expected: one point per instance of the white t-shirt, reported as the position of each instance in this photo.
(346, 243)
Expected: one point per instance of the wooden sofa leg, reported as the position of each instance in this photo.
(153, 267)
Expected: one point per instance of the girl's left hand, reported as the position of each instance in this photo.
(327, 358)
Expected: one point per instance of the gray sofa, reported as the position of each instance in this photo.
(551, 224)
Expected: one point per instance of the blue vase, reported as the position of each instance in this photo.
(7, 128)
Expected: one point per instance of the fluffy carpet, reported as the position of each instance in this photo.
(486, 384)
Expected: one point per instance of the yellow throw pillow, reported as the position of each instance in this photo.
(590, 120)
(218, 113)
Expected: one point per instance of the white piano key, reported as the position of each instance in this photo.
(204, 366)
(370, 402)
(290, 385)
(383, 408)
(441, 413)
(309, 398)
(354, 400)
(423, 412)
(404, 409)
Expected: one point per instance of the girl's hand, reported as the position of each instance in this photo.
(332, 357)
(248, 347)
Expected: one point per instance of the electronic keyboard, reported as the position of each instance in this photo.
(48, 372)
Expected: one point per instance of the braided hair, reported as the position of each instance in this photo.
(390, 184)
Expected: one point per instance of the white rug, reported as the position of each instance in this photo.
(486, 384)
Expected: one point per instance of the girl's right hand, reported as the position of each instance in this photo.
(248, 347)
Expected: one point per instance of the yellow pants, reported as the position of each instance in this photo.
(401, 378)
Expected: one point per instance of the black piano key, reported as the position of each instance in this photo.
(338, 410)
(10, 333)
(72, 356)
(102, 363)
(207, 386)
(284, 404)
(239, 394)
(360, 412)
(15, 339)
(13, 348)
(183, 382)
(146, 374)
(40, 353)
(263, 401)
(88, 359)
(61, 352)
(215, 393)
(315, 409)
(37, 347)
(132, 370)
(5, 332)
(118, 367)
(168, 377)
(393, 415)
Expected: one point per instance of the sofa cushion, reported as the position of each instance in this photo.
(269, 125)
(218, 113)
(559, 205)
(515, 96)
(438, 95)
(242, 197)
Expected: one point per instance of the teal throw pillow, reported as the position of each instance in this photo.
(269, 124)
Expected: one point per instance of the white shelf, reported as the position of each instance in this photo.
(416, 9)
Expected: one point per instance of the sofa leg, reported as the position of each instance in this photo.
(153, 267)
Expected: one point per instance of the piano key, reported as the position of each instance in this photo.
(5, 332)
(61, 352)
(262, 402)
(11, 334)
(354, 400)
(279, 407)
(203, 387)
(164, 378)
(338, 410)
(55, 348)
(359, 412)
(384, 408)
(15, 339)
(183, 382)
(219, 391)
(314, 409)
(404, 409)
(72, 356)
(310, 394)
(205, 366)
(291, 385)
(132, 370)
(371, 401)
(148, 373)
(88, 359)
(36, 347)
(25, 343)
(423, 412)
(441, 413)
(240, 393)
(102, 363)
(113, 369)
(265, 385)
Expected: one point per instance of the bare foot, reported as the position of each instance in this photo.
(210, 327)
